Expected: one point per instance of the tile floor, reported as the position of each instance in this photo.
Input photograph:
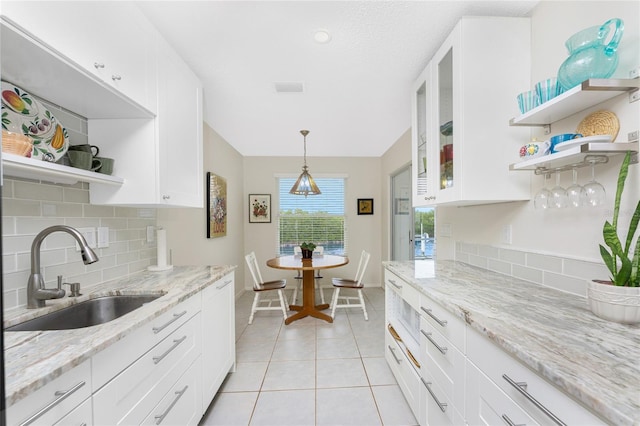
(310, 372)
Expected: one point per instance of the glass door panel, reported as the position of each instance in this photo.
(445, 120)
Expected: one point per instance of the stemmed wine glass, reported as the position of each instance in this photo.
(558, 198)
(541, 200)
(594, 192)
(575, 193)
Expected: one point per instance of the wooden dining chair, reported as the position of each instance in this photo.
(259, 286)
(355, 284)
(297, 251)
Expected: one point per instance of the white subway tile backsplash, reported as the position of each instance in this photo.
(513, 256)
(37, 191)
(544, 262)
(29, 206)
(564, 274)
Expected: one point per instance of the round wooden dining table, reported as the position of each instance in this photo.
(308, 268)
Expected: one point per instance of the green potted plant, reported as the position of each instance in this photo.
(618, 299)
(307, 250)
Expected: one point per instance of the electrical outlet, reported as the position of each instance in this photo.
(505, 235)
(103, 236)
(632, 136)
(89, 235)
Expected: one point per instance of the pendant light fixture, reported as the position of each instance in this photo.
(305, 184)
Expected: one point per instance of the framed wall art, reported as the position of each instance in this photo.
(365, 205)
(216, 206)
(259, 208)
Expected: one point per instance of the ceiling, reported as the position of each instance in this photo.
(356, 98)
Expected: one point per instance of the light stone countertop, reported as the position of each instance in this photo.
(595, 361)
(34, 358)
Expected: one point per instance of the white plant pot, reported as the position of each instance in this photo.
(614, 303)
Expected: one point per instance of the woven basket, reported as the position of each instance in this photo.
(17, 144)
(600, 123)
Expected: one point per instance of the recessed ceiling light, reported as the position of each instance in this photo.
(322, 36)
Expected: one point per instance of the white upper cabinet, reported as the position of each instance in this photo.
(460, 135)
(160, 159)
(110, 40)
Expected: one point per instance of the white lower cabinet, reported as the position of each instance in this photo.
(403, 370)
(57, 399)
(182, 405)
(218, 336)
(133, 394)
(81, 415)
(521, 385)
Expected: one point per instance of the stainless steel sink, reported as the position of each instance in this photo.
(85, 314)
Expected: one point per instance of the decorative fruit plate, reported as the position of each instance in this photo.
(21, 113)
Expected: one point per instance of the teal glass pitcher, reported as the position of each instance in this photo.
(589, 56)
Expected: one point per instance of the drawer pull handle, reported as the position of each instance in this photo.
(179, 394)
(510, 422)
(442, 405)
(521, 387)
(442, 349)
(157, 359)
(436, 319)
(224, 284)
(393, 282)
(116, 77)
(157, 330)
(393, 352)
(98, 65)
(61, 396)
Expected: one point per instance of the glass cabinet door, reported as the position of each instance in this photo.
(422, 156)
(447, 172)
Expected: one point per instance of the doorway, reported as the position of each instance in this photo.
(401, 216)
(412, 229)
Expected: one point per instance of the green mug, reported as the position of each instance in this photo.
(83, 160)
(106, 165)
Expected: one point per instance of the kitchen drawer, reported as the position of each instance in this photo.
(404, 289)
(487, 404)
(75, 385)
(404, 371)
(440, 411)
(450, 326)
(500, 366)
(114, 359)
(130, 396)
(182, 405)
(444, 362)
(81, 415)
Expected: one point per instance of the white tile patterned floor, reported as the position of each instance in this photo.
(310, 372)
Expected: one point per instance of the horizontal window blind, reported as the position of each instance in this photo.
(317, 218)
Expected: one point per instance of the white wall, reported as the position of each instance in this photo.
(364, 231)
(187, 227)
(577, 232)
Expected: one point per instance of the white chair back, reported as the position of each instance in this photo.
(319, 250)
(362, 266)
(252, 262)
(297, 251)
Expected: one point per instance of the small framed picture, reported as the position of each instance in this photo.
(217, 206)
(365, 205)
(259, 208)
(402, 206)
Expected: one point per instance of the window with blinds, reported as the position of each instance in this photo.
(319, 219)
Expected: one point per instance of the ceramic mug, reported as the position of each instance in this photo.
(106, 165)
(83, 160)
(94, 150)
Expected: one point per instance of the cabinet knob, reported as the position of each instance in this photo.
(166, 197)
(116, 77)
(98, 65)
